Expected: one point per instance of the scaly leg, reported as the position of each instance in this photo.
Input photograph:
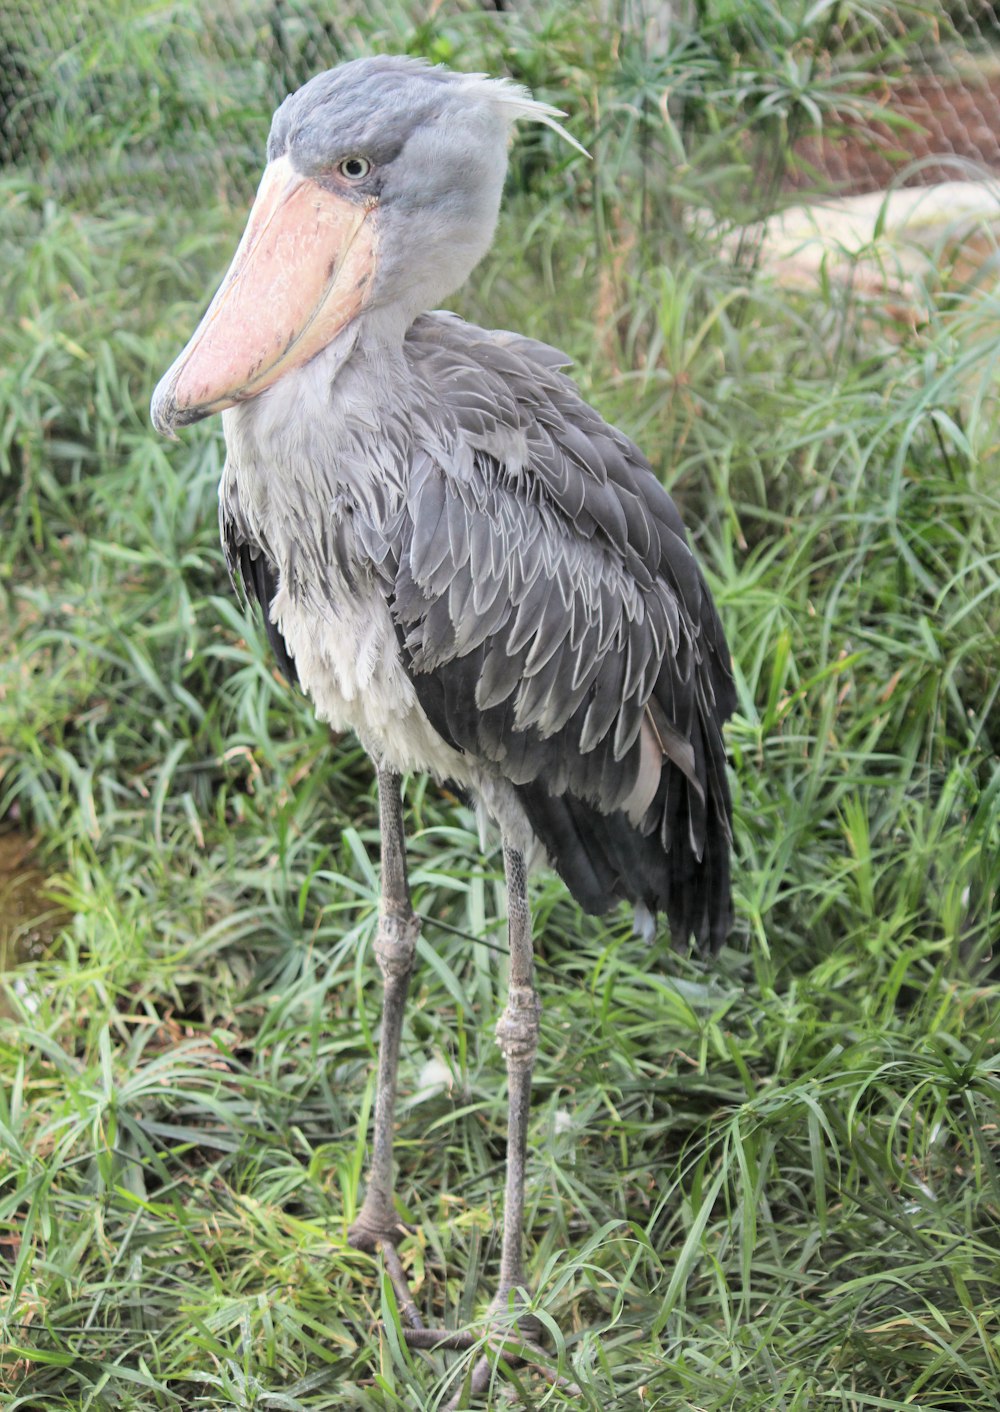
(517, 1036)
(395, 943)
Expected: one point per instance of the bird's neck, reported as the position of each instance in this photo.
(380, 331)
(364, 363)
(336, 426)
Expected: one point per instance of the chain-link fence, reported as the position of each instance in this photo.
(705, 115)
(937, 96)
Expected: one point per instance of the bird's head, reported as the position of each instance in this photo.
(381, 192)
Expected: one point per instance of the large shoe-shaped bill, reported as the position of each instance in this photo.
(301, 273)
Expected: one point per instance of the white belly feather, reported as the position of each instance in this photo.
(348, 661)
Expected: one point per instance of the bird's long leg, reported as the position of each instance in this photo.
(395, 943)
(517, 1036)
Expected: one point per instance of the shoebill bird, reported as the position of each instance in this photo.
(455, 556)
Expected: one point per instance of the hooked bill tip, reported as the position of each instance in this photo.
(163, 411)
(166, 415)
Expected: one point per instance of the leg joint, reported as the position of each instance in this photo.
(376, 1221)
(395, 943)
(518, 1026)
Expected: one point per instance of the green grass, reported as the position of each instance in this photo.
(767, 1181)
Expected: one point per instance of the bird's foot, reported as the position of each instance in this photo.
(512, 1335)
(512, 1342)
(526, 1332)
(510, 1345)
(377, 1227)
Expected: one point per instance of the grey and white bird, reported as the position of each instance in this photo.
(456, 557)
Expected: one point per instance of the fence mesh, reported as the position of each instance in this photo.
(938, 72)
(757, 104)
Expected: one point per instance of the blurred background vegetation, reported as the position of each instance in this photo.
(763, 1181)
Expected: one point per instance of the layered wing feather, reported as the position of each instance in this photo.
(252, 570)
(555, 624)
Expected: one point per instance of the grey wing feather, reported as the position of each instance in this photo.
(554, 621)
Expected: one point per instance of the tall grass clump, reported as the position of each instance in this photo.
(766, 1180)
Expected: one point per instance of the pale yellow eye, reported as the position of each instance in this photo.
(354, 168)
